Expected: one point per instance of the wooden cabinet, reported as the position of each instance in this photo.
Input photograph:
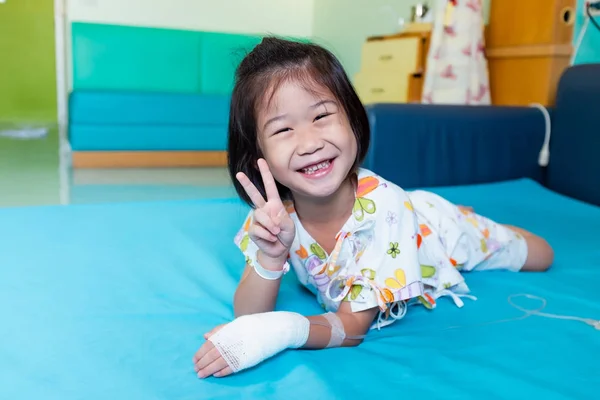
(528, 48)
(530, 22)
(392, 68)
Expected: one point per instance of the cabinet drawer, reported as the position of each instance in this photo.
(381, 87)
(399, 55)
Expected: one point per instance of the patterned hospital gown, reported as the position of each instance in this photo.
(397, 248)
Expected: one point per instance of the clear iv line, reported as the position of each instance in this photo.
(526, 314)
(529, 313)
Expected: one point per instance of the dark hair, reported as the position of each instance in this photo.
(270, 63)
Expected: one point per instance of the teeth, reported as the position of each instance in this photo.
(315, 168)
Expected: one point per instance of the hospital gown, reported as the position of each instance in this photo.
(397, 248)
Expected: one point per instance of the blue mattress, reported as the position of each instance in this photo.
(111, 301)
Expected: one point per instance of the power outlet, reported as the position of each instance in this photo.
(594, 11)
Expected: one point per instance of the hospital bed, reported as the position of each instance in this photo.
(110, 301)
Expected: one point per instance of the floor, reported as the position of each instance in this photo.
(33, 174)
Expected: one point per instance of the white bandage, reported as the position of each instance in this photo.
(268, 274)
(265, 273)
(251, 339)
(338, 334)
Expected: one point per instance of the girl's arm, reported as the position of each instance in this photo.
(255, 294)
(355, 324)
(264, 335)
(269, 236)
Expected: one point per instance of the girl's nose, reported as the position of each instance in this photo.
(309, 142)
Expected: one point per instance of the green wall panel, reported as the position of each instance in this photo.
(28, 168)
(112, 57)
(221, 54)
(27, 62)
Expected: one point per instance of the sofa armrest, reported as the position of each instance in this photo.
(418, 145)
(574, 168)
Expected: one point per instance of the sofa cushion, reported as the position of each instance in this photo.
(140, 108)
(121, 121)
(148, 138)
(419, 145)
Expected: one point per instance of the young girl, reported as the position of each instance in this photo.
(365, 247)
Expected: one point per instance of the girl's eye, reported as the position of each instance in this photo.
(282, 130)
(321, 116)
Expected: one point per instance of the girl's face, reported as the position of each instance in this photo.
(306, 139)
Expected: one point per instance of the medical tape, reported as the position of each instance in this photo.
(338, 333)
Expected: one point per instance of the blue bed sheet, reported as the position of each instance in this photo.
(111, 301)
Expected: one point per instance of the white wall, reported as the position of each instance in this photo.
(280, 17)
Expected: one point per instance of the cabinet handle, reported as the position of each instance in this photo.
(567, 16)
(386, 57)
(377, 90)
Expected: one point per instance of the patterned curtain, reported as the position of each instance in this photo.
(457, 71)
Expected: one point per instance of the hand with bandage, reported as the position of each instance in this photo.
(251, 339)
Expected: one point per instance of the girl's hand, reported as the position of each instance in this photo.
(272, 229)
(208, 360)
(248, 340)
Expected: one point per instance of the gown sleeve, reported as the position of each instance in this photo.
(244, 243)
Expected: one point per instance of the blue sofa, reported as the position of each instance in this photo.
(111, 300)
(418, 146)
(138, 121)
(151, 97)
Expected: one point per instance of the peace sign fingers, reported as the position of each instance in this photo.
(268, 181)
(251, 190)
(272, 229)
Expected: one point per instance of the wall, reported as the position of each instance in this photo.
(589, 51)
(28, 168)
(27, 68)
(343, 26)
(281, 17)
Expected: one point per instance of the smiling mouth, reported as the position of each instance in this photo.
(315, 168)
